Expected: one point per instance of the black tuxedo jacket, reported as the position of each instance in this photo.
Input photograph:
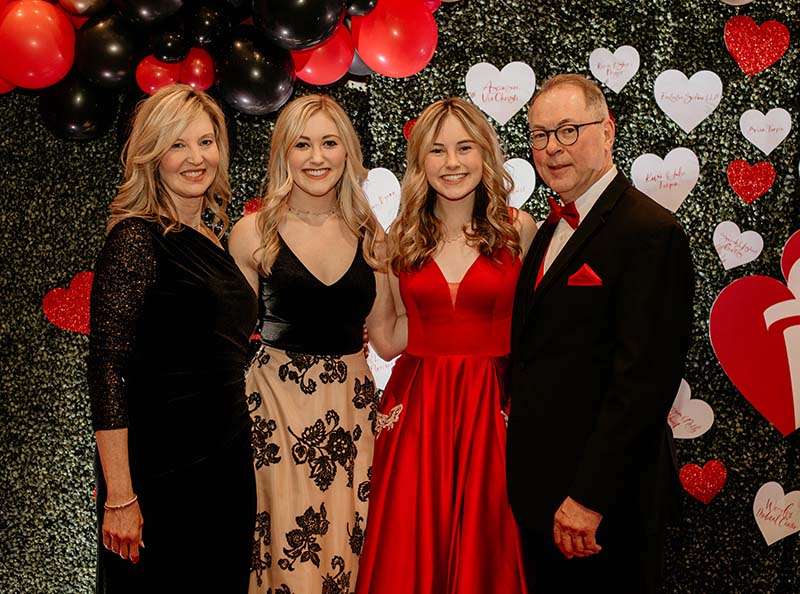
(596, 365)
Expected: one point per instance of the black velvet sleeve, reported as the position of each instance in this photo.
(124, 270)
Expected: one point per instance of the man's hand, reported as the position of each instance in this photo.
(574, 529)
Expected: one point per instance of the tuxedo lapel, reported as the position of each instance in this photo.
(527, 276)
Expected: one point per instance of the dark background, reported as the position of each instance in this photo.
(54, 198)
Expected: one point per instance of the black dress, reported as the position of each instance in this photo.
(171, 318)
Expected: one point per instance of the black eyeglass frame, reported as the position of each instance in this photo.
(557, 131)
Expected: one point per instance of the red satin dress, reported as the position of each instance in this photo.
(439, 519)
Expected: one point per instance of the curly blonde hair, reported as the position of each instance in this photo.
(416, 234)
(158, 121)
(353, 205)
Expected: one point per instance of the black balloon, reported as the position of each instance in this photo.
(75, 109)
(169, 46)
(148, 12)
(252, 75)
(106, 51)
(360, 7)
(83, 8)
(297, 24)
(206, 23)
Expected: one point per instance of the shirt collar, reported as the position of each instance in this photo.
(585, 201)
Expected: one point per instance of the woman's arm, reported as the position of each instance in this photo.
(243, 242)
(526, 227)
(387, 324)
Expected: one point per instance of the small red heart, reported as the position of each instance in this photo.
(750, 182)
(408, 127)
(252, 205)
(69, 308)
(703, 483)
(755, 48)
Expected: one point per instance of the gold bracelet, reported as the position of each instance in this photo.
(121, 505)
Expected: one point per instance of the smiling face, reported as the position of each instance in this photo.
(454, 164)
(317, 159)
(571, 170)
(189, 166)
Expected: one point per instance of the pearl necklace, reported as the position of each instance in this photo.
(324, 213)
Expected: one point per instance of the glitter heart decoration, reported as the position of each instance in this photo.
(750, 182)
(69, 308)
(755, 48)
(704, 483)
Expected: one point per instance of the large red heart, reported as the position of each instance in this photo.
(703, 483)
(69, 308)
(755, 356)
(750, 182)
(755, 48)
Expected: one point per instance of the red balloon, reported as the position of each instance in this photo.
(152, 74)
(37, 44)
(197, 69)
(6, 86)
(326, 62)
(78, 21)
(397, 38)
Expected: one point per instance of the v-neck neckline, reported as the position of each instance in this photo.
(314, 276)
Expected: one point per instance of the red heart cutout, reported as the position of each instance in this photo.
(69, 308)
(703, 483)
(408, 127)
(252, 205)
(755, 48)
(750, 182)
(755, 356)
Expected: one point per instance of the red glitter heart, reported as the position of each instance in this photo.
(750, 182)
(703, 483)
(69, 308)
(755, 48)
(409, 125)
(252, 205)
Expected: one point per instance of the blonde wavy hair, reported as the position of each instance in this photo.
(353, 205)
(158, 121)
(417, 233)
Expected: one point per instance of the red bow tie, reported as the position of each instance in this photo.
(568, 212)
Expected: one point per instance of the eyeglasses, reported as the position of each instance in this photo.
(565, 135)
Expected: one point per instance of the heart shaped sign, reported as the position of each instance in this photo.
(69, 308)
(524, 176)
(381, 370)
(735, 248)
(766, 131)
(500, 93)
(704, 483)
(689, 418)
(614, 70)
(383, 192)
(737, 2)
(668, 182)
(755, 335)
(755, 48)
(750, 182)
(777, 513)
(688, 102)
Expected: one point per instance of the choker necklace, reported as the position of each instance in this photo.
(324, 213)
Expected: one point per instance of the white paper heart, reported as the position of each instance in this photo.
(688, 101)
(667, 181)
(737, 2)
(766, 131)
(689, 418)
(381, 370)
(500, 93)
(777, 514)
(736, 248)
(524, 176)
(383, 192)
(614, 70)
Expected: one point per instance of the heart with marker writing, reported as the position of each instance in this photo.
(689, 417)
(68, 308)
(735, 247)
(668, 181)
(383, 192)
(777, 513)
(688, 101)
(750, 181)
(704, 483)
(755, 47)
(614, 70)
(500, 93)
(766, 131)
(524, 177)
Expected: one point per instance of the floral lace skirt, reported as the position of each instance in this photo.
(313, 426)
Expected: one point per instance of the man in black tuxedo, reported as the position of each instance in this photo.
(600, 332)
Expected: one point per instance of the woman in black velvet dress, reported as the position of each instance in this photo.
(171, 317)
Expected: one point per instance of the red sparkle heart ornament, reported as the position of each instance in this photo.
(409, 125)
(755, 48)
(704, 483)
(750, 182)
(252, 205)
(68, 309)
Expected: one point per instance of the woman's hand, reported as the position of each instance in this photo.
(122, 531)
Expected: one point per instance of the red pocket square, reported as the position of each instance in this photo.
(585, 277)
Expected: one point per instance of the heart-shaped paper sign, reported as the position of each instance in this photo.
(689, 417)
(614, 70)
(749, 182)
(69, 308)
(777, 513)
(755, 48)
(383, 192)
(381, 370)
(688, 102)
(736, 248)
(737, 2)
(667, 181)
(703, 483)
(524, 176)
(754, 328)
(766, 131)
(500, 93)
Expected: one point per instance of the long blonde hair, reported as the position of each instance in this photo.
(158, 121)
(417, 233)
(353, 205)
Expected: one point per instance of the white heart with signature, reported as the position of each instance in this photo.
(766, 131)
(688, 101)
(614, 70)
(735, 248)
(689, 417)
(381, 370)
(524, 176)
(777, 514)
(667, 181)
(383, 192)
(500, 93)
